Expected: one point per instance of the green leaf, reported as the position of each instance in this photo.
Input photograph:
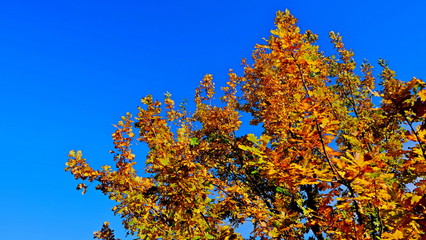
(208, 236)
(282, 190)
(194, 141)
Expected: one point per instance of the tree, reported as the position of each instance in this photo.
(337, 159)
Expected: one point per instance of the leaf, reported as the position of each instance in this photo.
(194, 141)
(422, 95)
(252, 138)
(165, 161)
(283, 191)
(209, 236)
(82, 186)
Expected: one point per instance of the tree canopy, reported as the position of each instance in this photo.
(341, 154)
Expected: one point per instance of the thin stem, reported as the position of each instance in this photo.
(333, 168)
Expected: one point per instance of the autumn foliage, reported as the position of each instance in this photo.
(341, 154)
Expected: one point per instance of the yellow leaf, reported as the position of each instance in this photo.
(252, 138)
(415, 199)
(265, 138)
(165, 161)
(422, 95)
(308, 181)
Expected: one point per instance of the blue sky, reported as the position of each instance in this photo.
(70, 69)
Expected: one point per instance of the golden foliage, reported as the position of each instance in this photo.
(331, 163)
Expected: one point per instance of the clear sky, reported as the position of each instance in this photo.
(70, 69)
